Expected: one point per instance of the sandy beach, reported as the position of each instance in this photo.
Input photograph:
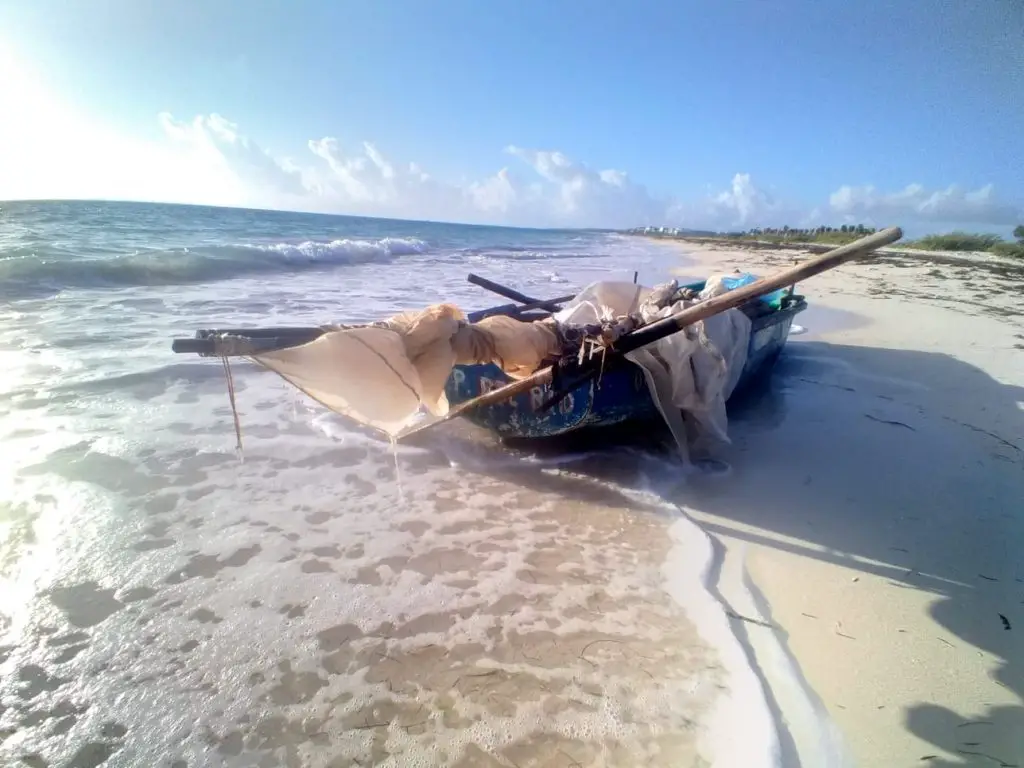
(870, 535)
(847, 593)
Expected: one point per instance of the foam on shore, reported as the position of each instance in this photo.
(690, 579)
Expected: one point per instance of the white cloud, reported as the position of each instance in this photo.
(496, 195)
(364, 181)
(742, 206)
(914, 202)
(745, 205)
(745, 199)
(576, 194)
(368, 183)
(220, 141)
(557, 190)
(49, 149)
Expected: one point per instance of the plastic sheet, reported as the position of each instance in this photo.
(690, 374)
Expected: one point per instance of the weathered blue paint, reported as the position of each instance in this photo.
(619, 396)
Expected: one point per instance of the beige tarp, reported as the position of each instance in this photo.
(362, 373)
(381, 375)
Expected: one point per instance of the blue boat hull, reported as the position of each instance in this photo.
(620, 397)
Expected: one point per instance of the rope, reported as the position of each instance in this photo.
(234, 407)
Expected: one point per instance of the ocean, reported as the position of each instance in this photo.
(318, 599)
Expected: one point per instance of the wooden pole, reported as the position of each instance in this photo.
(705, 309)
(268, 339)
(813, 266)
(552, 305)
(515, 310)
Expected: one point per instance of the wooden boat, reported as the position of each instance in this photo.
(618, 398)
(602, 392)
(620, 395)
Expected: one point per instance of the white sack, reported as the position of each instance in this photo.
(690, 373)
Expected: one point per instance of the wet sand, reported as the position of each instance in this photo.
(308, 607)
(870, 534)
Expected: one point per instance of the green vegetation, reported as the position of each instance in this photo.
(956, 241)
(967, 241)
(952, 241)
(847, 233)
(1015, 250)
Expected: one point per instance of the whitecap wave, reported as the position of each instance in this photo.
(31, 272)
(346, 251)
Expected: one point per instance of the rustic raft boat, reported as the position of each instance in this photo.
(617, 353)
(621, 395)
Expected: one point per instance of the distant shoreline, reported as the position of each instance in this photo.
(821, 239)
(982, 259)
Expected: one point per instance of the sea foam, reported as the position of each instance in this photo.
(688, 573)
(26, 272)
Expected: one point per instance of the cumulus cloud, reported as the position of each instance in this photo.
(363, 180)
(220, 140)
(541, 188)
(52, 149)
(916, 203)
(741, 206)
(366, 182)
(575, 192)
(745, 200)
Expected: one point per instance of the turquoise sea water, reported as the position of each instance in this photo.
(62, 246)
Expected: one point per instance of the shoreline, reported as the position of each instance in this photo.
(849, 514)
(691, 571)
(982, 259)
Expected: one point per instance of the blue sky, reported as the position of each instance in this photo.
(720, 113)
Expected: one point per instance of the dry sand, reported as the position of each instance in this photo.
(871, 533)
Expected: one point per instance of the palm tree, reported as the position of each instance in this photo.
(1018, 232)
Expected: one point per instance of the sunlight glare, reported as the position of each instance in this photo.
(48, 149)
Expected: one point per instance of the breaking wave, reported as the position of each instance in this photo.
(32, 271)
(512, 253)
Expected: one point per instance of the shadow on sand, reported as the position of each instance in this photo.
(905, 465)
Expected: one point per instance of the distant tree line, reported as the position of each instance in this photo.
(949, 241)
(787, 231)
(827, 235)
